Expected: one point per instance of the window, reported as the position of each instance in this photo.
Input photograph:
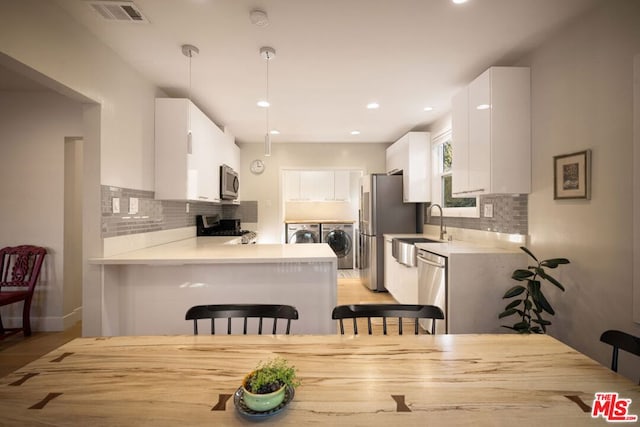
(442, 181)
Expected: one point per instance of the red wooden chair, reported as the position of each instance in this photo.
(19, 271)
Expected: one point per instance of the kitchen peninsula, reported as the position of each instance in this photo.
(148, 291)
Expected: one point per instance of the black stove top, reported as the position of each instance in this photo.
(228, 232)
(215, 226)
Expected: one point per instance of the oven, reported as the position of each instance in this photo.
(229, 183)
(433, 287)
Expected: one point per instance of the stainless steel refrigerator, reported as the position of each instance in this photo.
(381, 211)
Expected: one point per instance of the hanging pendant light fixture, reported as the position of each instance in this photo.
(267, 53)
(189, 51)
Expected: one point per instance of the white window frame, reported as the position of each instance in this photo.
(436, 182)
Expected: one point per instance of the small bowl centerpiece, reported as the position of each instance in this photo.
(264, 388)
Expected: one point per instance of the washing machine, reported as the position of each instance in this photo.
(303, 233)
(340, 238)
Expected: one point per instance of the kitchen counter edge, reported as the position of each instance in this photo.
(206, 250)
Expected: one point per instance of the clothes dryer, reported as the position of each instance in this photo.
(340, 238)
(303, 233)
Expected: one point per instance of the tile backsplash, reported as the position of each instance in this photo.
(157, 215)
(509, 215)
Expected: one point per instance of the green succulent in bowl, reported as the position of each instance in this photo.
(264, 387)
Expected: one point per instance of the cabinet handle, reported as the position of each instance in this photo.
(189, 143)
(469, 191)
(203, 197)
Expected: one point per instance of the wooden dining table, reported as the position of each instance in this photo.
(441, 380)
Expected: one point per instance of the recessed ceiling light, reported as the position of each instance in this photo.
(355, 132)
(373, 105)
(263, 104)
(428, 108)
(483, 107)
(459, 1)
(274, 132)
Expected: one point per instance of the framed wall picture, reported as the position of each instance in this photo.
(572, 176)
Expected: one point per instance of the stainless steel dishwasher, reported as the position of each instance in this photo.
(432, 287)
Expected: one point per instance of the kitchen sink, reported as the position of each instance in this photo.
(404, 251)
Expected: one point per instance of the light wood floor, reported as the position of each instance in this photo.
(17, 351)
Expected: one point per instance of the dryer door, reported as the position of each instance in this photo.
(304, 236)
(340, 242)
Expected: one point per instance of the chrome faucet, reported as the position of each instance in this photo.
(442, 229)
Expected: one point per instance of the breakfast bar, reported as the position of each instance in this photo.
(441, 380)
(148, 291)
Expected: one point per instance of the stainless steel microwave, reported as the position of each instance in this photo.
(229, 183)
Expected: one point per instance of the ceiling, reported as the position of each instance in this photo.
(332, 58)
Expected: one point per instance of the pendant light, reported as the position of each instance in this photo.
(267, 53)
(189, 51)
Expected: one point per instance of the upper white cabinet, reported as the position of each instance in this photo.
(188, 168)
(491, 134)
(342, 185)
(411, 155)
(317, 185)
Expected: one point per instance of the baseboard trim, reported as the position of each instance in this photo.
(46, 324)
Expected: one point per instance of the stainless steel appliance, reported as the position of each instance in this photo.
(340, 238)
(404, 249)
(303, 233)
(381, 211)
(213, 225)
(229, 183)
(433, 287)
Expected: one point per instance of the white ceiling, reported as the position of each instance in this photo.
(333, 57)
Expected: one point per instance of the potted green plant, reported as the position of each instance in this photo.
(264, 388)
(529, 307)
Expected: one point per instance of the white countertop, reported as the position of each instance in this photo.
(460, 247)
(454, 247)
(213, 250)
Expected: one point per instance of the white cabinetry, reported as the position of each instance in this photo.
(342, 186)
(188, 168)
(317, 185)
(390, 267)
(411, 154)
(491, 134)
(401, 281)
(291, 185)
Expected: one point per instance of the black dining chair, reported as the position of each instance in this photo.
(385, 311)
(245, 311)
(620, 340)
(19, 273)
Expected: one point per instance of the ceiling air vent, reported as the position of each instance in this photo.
(121, 11)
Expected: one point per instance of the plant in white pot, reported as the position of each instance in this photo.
(264, 388)
(530, 302)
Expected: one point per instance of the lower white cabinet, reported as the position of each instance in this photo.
(401, 281)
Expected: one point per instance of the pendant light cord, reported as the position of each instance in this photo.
(268, 58)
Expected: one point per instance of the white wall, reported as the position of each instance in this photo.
(582, 97)
(33, 127)
(118, 114)
(265, 188)
(44, 37)
(72, 276)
